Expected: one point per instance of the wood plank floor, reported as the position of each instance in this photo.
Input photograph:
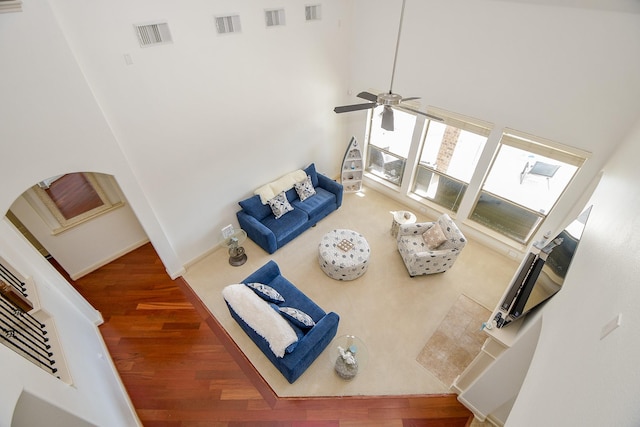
(181, 369)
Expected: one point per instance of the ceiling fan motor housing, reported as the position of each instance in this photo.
(389, 99)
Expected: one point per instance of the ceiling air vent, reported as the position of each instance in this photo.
(312, 12)
(153, 34)
(274, 17)
(228, 24)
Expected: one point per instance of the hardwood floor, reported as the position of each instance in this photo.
(181, 369)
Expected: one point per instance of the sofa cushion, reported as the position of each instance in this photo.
(257, 313)
(280, 205)
(305, 189)
(266, 292)
(291, 223)
(316, 204)
(254, 207)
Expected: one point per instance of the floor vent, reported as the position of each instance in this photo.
(153, 34)
(228, 24)
(312, 12)
(274, 17)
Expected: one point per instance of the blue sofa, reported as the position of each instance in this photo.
(310, 341)
(270, 233)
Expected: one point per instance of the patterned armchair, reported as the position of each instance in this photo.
(436, 256)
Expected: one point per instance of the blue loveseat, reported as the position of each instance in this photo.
(258, 220)
(309, 341)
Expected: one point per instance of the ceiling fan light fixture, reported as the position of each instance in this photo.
(389, 99)
(387, 119)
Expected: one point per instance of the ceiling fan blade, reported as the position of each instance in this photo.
(440, 119)
(410, 99)
(354, 107)
(368, 96)
(387, 118)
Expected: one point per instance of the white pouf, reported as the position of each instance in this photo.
(343, 254)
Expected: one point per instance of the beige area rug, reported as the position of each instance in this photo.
(392, 313)
(457, 340)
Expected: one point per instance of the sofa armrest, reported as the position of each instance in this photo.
(331, 186)
(258, 232)
(314, 342)
(264, 274)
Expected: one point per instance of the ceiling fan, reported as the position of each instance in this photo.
(386, 99)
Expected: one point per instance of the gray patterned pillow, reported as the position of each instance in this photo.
(434, 237)
(266, 292)
(305, 189)
(280, 205)
(297, 317)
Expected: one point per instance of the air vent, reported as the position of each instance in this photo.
(274, 17)
(313, 12)
(7, 6)
(153, 34)
(228, 24)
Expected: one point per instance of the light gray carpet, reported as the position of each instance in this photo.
(392, 313)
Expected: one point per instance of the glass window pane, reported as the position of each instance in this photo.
(386, 166)
(508, 219)
(387, 151)
(530, 180)
(438, 188)
(452, 151)
(398, 141)
(524, 183)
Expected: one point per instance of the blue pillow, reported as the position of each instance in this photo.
(297, 317)
(266, 292)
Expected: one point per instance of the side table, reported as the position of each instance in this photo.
(401, 218)
(237, 256)
(348, 355)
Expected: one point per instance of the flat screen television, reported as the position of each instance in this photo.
(542, 273)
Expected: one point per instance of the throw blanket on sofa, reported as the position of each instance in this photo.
(284, 183)
(258, 314)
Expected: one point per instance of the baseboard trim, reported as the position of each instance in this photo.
(113, 257)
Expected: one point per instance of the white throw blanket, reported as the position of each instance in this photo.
(263, 319)
(284, 183)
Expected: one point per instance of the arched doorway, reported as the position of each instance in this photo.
(81, 219)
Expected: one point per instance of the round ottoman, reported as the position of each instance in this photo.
(343, 254)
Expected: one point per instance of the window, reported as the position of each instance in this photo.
(526, 179)
(388, 150)
(449, 156)
(65, 201)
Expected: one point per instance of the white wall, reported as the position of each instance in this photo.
(88, 245)
(576, 378)
(207, 119)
